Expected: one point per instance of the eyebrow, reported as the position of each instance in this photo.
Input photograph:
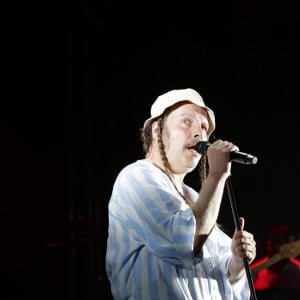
(203, 121)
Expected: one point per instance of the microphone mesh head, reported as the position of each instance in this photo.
(201, 147)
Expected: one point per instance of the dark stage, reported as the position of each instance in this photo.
(78, 84)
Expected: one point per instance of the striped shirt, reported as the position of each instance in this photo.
(149, 251)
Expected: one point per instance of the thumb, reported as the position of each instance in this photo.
(242, 222)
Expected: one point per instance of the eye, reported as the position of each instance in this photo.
(187, 122)
(205, 128)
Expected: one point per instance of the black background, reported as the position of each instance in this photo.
(78, 83)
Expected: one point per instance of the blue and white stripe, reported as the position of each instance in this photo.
(150, 243)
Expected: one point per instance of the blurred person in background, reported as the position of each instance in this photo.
(277, 275)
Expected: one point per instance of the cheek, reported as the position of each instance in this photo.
(176, 138)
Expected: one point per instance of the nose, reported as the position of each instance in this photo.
(199, 133)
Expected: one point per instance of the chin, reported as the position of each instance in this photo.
(192, 164)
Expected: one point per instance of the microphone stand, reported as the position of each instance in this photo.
(238, 227)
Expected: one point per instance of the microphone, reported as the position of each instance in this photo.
(236, 156)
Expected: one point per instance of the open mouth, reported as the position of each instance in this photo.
(192, 149)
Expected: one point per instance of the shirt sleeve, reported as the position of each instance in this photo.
(153, 215)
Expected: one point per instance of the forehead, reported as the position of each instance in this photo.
(190, 109)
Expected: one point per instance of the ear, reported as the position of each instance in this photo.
(154, 130)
